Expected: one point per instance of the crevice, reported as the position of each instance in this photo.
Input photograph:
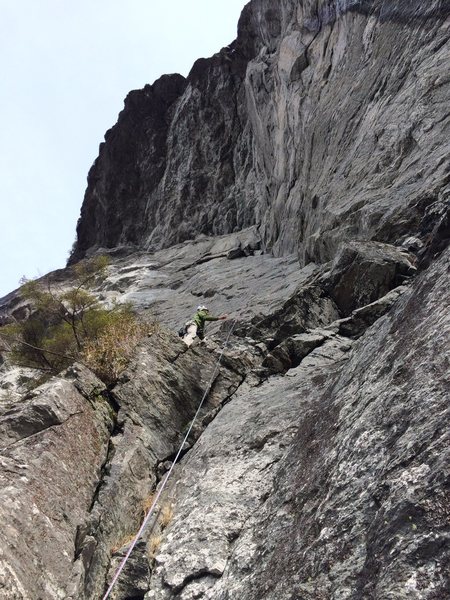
(209, 417)
(228, 398)
(108, 395)
(291, 351)
(88, 530)
(194, 437)
(169, 459)
(46, 428)
(116, 429)
(172, 361)
(104, 469)
(200, 574)
(205, 259)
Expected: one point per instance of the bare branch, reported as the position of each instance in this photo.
(42, 350)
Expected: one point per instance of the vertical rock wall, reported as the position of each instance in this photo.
(322, 121)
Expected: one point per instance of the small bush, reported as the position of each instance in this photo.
(154, 542)
(166, 515)
(153, 546)
(147, 504)
(70, 324)
(127, 539)
(109, 353)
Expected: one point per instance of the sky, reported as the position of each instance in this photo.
(66, 68)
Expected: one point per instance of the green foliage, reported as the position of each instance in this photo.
(109, 352)
(92, 271)
(40, 345)
(70, 324)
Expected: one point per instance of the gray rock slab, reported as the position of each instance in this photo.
(170, 284)
(329, 482)
(52, 449)
(156, 398)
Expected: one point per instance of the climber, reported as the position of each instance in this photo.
(196, 326)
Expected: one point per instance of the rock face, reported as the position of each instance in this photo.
(53, 445)
(325, 120)
(77, 474)
(157, 397)
(328, 482)
(318, 466)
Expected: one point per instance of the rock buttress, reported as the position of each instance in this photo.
(323, 121)
(329, 482)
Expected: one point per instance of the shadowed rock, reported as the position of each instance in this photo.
(363, 272)
(325, 121)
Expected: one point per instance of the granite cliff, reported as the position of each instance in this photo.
(325, 120)
(298, 181)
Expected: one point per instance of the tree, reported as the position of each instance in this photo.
(69, 323)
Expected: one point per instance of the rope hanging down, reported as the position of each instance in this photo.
(161, 489)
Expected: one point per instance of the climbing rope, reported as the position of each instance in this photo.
(161, 489)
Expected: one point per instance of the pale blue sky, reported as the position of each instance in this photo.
(66, 68)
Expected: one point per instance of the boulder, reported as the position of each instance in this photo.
(362, 272)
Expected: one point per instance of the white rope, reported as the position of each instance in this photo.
(161, 489)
